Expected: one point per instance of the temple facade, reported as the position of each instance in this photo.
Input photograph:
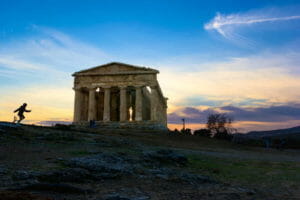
(119, 95)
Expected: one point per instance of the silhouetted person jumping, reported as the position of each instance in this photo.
(21, 111)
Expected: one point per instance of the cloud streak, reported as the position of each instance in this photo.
(257, 114)
(48, 55)
(246, 118)
(265, 79)
(228, 25)
(220, 21)
(37, 70)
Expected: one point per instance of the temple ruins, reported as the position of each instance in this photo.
(118, 95)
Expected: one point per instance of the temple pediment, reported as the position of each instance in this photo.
(116, 68)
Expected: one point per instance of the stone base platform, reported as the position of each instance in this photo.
(144, 125)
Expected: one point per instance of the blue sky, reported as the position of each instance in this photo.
(153, 28)
(211, 54)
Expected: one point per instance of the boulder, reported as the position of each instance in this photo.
(23, 175)
(103, 165)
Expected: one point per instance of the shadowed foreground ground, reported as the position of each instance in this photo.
(59, 163)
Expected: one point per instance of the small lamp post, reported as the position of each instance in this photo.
(183, 124)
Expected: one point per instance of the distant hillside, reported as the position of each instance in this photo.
(290, 135)
(288, 131)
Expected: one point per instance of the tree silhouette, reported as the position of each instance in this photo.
(219, 125)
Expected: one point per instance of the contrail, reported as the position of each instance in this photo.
(220, 21)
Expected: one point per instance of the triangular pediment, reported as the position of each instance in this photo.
(115, 68)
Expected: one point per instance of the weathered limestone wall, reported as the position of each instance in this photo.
(115, 105)
(84, 106)
(162, 107)
(146, 104)
(99, 105)
(116, 80)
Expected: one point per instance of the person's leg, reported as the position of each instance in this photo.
(21, 118)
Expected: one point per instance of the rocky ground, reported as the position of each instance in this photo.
(60, 163)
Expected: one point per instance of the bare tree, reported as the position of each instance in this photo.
(219, 125)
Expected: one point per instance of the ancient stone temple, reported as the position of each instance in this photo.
(118, 95)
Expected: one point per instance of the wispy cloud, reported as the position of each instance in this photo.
(285, 112)
(245, 119)
(226, 25)
(220, 21)
(37, 69)
(48, 54)
(265, 79)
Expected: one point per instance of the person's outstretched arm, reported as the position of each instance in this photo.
(27, 110)
(17, 110)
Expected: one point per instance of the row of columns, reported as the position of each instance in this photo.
(123, 104)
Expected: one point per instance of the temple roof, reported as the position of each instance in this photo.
(116, 68)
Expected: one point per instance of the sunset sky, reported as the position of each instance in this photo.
(241, 57)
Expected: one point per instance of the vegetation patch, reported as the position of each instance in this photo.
(247, 172)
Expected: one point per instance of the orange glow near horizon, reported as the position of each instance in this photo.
(56, 104)
(51, 104)
(243, 126)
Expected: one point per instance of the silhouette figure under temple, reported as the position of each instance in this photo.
(21, 111)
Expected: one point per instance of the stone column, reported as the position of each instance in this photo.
(106, 110)
(123, 103)
(92, 104)
(77, 105)
(138, 103)
(165, 112)
(153, 102)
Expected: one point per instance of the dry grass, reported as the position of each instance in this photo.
(254, 167)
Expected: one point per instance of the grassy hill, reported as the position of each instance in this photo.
(281, 138)
(66, 163)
